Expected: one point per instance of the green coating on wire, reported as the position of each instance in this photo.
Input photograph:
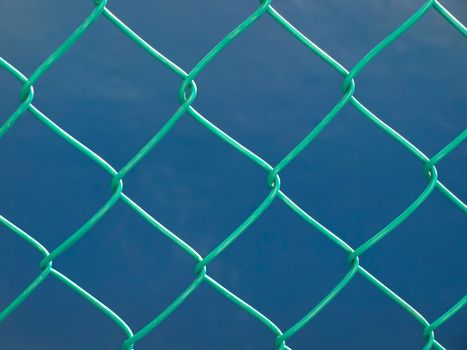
(187, 96)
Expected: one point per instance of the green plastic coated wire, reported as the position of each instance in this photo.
(187, 97)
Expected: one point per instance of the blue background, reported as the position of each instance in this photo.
(267, 91)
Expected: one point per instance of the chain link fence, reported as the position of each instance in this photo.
(187, 96)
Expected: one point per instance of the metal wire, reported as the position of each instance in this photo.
(187, 97)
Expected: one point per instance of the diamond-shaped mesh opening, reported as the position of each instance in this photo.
(47, 171)
(151, 268)
(332, 180)
(245, 114)
(361, 310)
(105, 75)
(192, 177)
(425, 264)
(430, 43)
(261, 264)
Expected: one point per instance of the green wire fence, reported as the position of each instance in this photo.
(187, 96)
